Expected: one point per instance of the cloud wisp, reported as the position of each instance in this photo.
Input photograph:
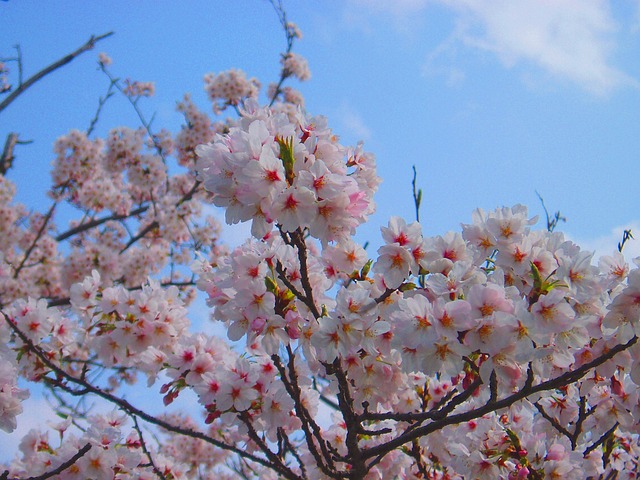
(570, 39)
(607, 244)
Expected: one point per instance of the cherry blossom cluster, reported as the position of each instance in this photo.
(38, 273)
(295, 174)
(198, 129)
(500, 351)
(135, 219)
(104, 59)
(229, 88)
(296, 65)
(11, 396)
(135, 88)
(498, 306)
(110, 449)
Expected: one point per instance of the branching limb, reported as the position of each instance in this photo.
(288, 447)
(141, 234)
(134, 103)
(527, 391)
(56, 471)
(351, 420)
(605, 436)
(88, 388)
(554, 423)
(101, 102)
(297, 240)
(83, 227)
(320, 450)
(276, 461)
(88, 45)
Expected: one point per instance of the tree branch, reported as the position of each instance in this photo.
(56, 471)
(525, 392)
(88, 388)
(88, 45)
(99, 221)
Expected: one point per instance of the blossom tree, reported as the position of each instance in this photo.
(500, 351)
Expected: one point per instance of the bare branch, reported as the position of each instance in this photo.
(626, 236)
(101, 103)
(146, 451)
(552, 222)
(88, 45)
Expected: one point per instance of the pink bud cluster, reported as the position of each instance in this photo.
(229, 88)
(296, 66)
(136, 89)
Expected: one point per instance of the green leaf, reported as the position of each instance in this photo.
(287, 157)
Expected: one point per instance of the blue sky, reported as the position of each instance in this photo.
(492, 100)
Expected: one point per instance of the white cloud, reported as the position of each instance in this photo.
(353, 122)
(399, 8)
(405, 15)
(570, 39)
(607, 244)
(441, 62)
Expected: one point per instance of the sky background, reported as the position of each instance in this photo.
(491, 100)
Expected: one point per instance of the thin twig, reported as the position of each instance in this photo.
(552, 223)
(145, 450)
(626, 236)
(101, 102)
(282, 16)
(99, 221)
(42, 229)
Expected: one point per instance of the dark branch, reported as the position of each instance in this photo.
(88, 388)
(99, 221)
(525, 392)
(56, 471)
